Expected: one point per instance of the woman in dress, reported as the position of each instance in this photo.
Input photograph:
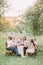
(31, 48)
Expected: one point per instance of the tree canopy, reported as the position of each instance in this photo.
(34, 18)
(3, 6)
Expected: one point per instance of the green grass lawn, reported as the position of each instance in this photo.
(12, 60)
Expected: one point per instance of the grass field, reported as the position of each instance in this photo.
(12, 60)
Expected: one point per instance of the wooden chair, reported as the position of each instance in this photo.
(7, 52)
(36, 49)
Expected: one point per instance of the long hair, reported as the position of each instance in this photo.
(32, 41)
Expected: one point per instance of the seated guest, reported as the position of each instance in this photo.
(9, 43)
(31, 48)
(10, 46)
(19, 40)
(25, 45)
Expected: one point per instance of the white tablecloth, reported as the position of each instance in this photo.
(20, 50)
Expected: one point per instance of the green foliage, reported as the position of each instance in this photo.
(3, 7)
(3, 27)
(34, 16)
